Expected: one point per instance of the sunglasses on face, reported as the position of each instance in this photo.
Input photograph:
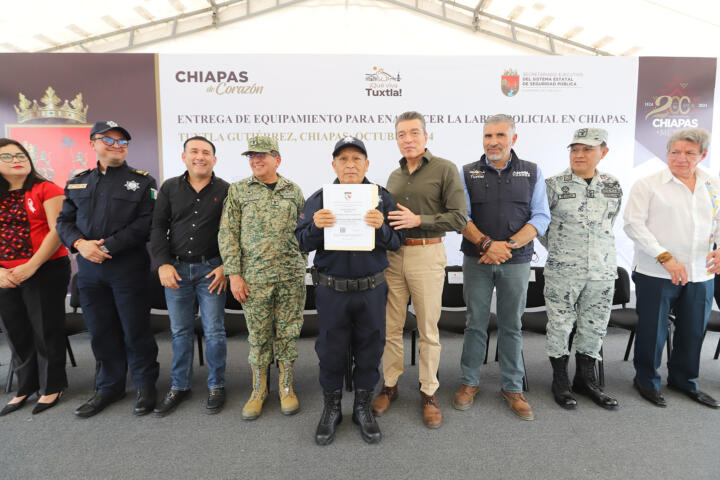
(109, 141)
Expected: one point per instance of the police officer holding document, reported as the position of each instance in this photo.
(351, 291)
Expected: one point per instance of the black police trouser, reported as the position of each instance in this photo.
(353, 320)
(115, 299)
(33, 317)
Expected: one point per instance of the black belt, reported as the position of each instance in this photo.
(195, 258)
(348, 284)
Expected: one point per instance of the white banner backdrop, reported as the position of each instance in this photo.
(312, 101)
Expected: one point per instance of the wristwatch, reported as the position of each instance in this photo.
(513, 244)
(104, 249)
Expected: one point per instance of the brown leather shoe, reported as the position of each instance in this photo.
(518, 405)
(464, 397)
(383, 399)
(432, 416)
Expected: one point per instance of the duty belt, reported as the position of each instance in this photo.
(348, 284)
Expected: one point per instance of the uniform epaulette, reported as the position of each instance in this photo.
(83, 172)
(140, 172)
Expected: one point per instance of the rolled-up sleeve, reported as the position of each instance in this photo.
(539, 207)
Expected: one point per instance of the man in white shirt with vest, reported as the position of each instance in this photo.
(673, 218)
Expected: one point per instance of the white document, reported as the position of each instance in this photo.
(349, 203)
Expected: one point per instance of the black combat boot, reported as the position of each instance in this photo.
(330, 418)
(561, 383)
(363, 416)
(585, 382)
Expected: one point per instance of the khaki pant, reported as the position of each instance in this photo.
(417, 272)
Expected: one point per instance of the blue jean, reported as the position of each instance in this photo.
(692, 304)
(510, 282)
(193, 289)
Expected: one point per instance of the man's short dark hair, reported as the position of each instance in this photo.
(202, 139)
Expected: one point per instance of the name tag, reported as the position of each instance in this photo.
(72, 186)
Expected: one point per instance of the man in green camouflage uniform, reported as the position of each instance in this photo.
(266, 269)
(581, 266)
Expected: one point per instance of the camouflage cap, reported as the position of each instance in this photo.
(589, 136)
(262, 144)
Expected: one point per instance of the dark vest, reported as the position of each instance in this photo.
(500, 202)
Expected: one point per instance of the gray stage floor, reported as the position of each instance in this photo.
(639, 441)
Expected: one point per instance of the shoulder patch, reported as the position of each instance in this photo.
(83, 172)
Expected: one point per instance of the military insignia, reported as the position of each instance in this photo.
(111, 123)
(566, 193)
(153, 194)
(348, 140)
(132, 185)
(581, 133)
(477, 173)
(567, 178)
(611, 192)
(72, 186)
(141, 172)
(591, 193)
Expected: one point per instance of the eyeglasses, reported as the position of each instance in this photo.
(688, 155)
(8, 157)
(109, 141)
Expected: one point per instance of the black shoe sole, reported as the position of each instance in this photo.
(368, 438)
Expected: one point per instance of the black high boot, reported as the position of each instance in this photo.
(585, 382)
(561, 383)
(363, 416)
(330, 418)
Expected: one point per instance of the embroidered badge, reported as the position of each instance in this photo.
(566, 193)
(477, 174)
(72, 186)
(132, 185)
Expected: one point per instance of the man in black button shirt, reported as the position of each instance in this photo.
(184, 233)
(351, 295)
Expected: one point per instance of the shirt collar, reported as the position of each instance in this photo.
(484, 161)
(427, 156)
(281, 181)
(365, 180)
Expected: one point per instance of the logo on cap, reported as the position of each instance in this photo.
(111, 123)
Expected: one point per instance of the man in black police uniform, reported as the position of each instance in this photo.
(106, 217)
(350, 295)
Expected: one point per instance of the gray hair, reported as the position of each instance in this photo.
(502, 118)
(412, 115)
(698, 136)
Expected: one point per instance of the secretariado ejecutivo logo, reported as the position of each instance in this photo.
(382, 84)
(220, 82)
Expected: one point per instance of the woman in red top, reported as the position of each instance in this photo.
(34, 275)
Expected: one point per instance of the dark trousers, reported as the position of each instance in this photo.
(692, 304)
(115, 299)
(350, 319)
(33, 317)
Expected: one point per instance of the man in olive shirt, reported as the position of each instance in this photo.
(431, 201)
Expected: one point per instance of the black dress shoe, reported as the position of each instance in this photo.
(145, 400)
(215, 401)
(650, 394)
(11, 407)
(697, 395)
(172, 399)
(41, 407)
(96, 404)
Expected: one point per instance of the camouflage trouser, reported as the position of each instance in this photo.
(274, 315)
(586, 302)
